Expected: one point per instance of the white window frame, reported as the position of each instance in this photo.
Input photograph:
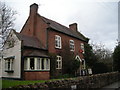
(9, 64)
(72, 45)
(37, 64)
(59, 62)
(82, 47)
(58, 42)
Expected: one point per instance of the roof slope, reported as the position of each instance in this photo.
(30, 41)
(61, 28)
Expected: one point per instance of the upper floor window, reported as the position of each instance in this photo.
(57, 41)
(82, 47)
(59, 62)
(72, 45)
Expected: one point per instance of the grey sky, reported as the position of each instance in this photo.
(97, 20)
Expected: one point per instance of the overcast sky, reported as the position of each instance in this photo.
(96, 19)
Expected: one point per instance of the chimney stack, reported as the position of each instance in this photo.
(33, 9)
(33, 18)
(73, 26)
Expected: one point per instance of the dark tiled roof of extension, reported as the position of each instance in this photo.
(36, 53)
(30, 41)
(61, 28)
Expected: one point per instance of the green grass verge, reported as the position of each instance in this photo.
(11, 83)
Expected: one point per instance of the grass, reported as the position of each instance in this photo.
(11, 83)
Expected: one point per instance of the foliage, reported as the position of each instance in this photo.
(95, 60)
(103, 55)
(7, 18)
(70, 65)
(52, 64)
(100, 67)
(89, 56)
(116, 58)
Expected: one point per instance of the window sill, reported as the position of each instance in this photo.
(9, 71)
(58, 48)
(58, 68)
(35, 70)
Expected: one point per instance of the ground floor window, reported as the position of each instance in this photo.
(37, 64)
(9, 64)
(59, 62)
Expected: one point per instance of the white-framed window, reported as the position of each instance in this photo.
(37, 64)
(59, 62)
(58, 43)
(72, 45)
(82, 47)
(9, 64)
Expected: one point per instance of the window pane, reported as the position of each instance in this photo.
(8, 64)
(32, 63)
(47, 64)
(11, 62)
(59, 62)
(72, 45)
(42, 62)
(25, 64)
(57, 41)
(38, 63)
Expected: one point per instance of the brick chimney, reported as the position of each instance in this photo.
(73, 27)
(33, 18)
(33, 9)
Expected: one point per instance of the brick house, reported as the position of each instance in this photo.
(38, 38)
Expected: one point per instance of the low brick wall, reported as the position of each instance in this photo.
(93, 81)
(36, 75)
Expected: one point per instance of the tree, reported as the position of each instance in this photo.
(70, 64)
(89, 56)
(7, 18)
(116, 58)
(103, 55)
(94, 59)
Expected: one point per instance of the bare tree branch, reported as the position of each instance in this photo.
(7, 18)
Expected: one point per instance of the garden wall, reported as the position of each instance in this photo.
(93, 81)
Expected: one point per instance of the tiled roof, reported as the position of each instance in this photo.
(30, 41)
(63, 29)
(36, 54)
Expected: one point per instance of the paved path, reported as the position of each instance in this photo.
(113, 86)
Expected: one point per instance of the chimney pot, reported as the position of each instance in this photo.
(73, 26)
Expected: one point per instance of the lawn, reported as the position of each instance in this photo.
(10, 83)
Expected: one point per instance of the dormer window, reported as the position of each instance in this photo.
(72, 45)
(58, 42)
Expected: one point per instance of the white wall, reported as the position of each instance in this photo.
(14, 51)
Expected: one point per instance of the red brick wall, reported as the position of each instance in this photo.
(41, 32)
(37, 29)
(65, 41)
(36, 75)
